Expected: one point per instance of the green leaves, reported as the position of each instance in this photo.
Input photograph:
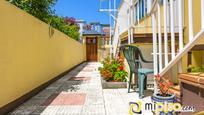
(120, 76)
(196, 69)
(42, 9)
(70, 30)
(113, 70)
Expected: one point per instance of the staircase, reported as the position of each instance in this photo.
(192, 87)
(163, 64)
(116, 42)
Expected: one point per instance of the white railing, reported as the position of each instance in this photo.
(162, 64)
(165, 33)
(130, 29)
(116, 41)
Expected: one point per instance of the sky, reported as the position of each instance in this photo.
(87, 10)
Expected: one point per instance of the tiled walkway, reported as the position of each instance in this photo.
(78, 93)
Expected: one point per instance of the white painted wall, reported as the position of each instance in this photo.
(81, 24)
(122, 19)
(121, 22)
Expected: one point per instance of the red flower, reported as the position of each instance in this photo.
(121, 68)
(158, 77)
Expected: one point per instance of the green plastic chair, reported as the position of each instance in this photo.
(132, 55)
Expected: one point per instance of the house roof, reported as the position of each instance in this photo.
(105, 25)
(91, 32)
(80, 21)
(92, 23)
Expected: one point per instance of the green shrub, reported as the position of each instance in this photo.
(42, 9)
(113, 70)
(72, 30)
(195, 69)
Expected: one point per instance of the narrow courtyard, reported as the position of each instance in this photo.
(102, 57)
(78, 93)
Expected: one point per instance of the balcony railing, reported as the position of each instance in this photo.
(176, 55)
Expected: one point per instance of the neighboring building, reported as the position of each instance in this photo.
(132, 27)
(168, 32)
(81, 24)
(96, 26)
(96, 38)
(106, 35)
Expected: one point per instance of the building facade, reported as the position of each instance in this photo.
(169, 32)
(96, 37)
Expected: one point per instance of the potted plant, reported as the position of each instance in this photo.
(113, 73)
(163, 96)
(193, 69)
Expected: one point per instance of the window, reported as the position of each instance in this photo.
(137, 11)
(142, 11)
(141, 8)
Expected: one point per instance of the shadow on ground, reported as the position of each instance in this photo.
(64, 91)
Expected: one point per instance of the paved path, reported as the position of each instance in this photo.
(78, 93)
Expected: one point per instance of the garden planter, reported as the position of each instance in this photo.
(113, 69)
(192, 87)
(157, 98)
(177, 91)
(113, 85)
